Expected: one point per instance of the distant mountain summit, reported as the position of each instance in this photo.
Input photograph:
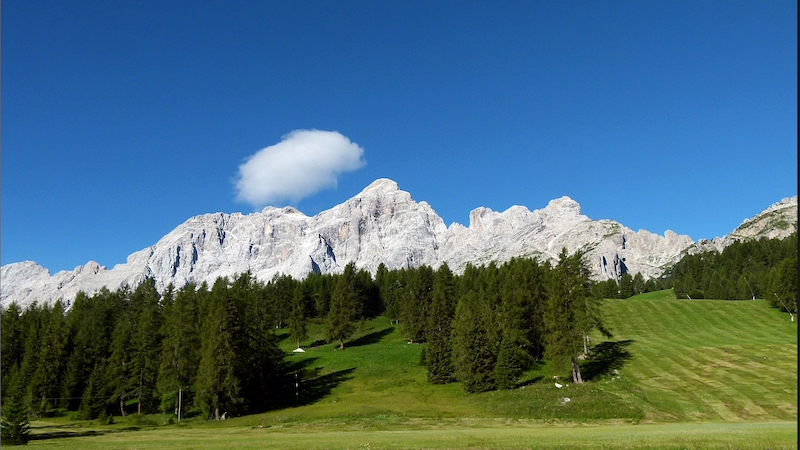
(778, 221)
(381, 224)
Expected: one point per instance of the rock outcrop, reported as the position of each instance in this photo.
(382, 224)
(779, 221)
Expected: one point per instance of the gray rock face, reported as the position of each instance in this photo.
(382, 224)
(779, 221)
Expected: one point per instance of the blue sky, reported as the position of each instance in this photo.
(120, 120)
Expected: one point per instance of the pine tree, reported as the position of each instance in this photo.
(12, 343)
(572, 312)
(92, 399)
(91, 323)
(218, 385)
(180, 347)
(626, 286)
(15, 425)
(638, 283)
(119, 377)
(46, 381)
(257, 354)
(297, 318)
(509, 366)
(474, 355)
(33, 324)
(439, 354)
(145, 343)
(515, 317)
(341, 315)
(416, 302)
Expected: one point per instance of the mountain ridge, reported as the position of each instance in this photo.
(380, 224)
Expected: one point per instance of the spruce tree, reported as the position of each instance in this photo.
(12, 340)
(46, 381)
(509, 366)
(416, 303)
(145, 343)
(571, 312)
(297, 318)
(341, 315)
(217, 385)
(180, 348)
(120, 378)
(33, 329)
(474, 354)
(638, 284)
(15, 425)
(92, 399)
(515, 318)
(626, 286)
(439, 354)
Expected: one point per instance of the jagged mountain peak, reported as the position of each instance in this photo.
(381, 185)
(563, 206)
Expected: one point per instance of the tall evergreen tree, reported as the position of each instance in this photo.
(571, 312)
(519, 331)
(258, 353)
(343, 309)
(638, 284)
(33, 323)
(217, 384)
(91, 323)
(509, 365)
(626, 286)
(783, 284)
(92, 398)
(473, 351)
(46, 381)
(180, 355)
(12, 343)
(297, 319)
(145, 344)
(416, 302)
(15, 425)
(120, 377)
(439, 353)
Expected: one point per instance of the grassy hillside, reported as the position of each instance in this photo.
(708, 359)
(693, 363)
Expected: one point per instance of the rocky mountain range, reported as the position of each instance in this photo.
(382, 224)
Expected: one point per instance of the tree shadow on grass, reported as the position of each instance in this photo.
(315, 389)
(532, 379)
(371, 338)
(317, 343)
(608, 356)
(58, 432)
(302, 384)
(292, 366)
(281, 334)
(529, 381)
(63, 434)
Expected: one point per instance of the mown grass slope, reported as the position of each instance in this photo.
(708, 359)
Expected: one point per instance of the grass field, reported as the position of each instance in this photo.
(676, 374)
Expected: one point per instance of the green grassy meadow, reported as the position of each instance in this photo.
(676, 374)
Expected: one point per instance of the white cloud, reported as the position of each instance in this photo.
(302, 164)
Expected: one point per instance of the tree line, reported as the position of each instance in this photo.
(763, 268)
(215, 348)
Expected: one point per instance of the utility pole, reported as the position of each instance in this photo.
(179, 404)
